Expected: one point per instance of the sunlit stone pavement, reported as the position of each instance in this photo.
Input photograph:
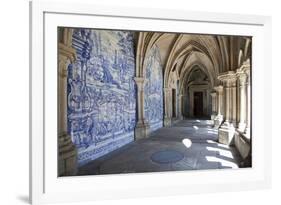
(195, 140)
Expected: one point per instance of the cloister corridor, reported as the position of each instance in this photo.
(187, 145)
(144, 101)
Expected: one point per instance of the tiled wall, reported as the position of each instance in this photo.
(153, 91)
(101, 92)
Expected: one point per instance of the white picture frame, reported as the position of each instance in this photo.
(46, 187)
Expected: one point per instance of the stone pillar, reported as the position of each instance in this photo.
(214, 110)
(233, 102)
(248, 127)
(219, 102)
(242, 89)
(67, 157)
(167, 118)
(180, 106)
(191, 103)
(142, 127)
(227, 130)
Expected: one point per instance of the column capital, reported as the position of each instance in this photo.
(67, 52)
(244, 68)
(167, 89)
(140, 82)
(227, 77)
(213, 94)
(242, 78)
(219, 88)
(66, 55)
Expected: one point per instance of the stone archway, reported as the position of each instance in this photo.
(197, 88)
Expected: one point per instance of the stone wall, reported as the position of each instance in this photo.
(101, 92)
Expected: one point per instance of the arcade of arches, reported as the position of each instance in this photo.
(147, 101)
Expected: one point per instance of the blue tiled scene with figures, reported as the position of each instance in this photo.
(143, 101)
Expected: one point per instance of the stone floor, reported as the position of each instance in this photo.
(187, 145)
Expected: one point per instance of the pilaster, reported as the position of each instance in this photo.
(67, 157)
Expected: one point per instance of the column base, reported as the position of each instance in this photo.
(226, 133)
(217, 121)
(142, 130)
(67, 159)
(167, 121)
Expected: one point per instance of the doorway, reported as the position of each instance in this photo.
(198, 104)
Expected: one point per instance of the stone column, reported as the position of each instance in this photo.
(185, 105)
(227, 130)
(67, 157)
(233, 102)
(191, 103)
(167, 118)
(142, 127)
(180, 106)
(248, 127)
(219, 102)
(242, 89)
(213, 99)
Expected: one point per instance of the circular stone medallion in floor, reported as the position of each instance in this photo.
(166, 156)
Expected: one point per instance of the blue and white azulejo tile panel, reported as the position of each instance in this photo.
(101, 92)
(153, 90)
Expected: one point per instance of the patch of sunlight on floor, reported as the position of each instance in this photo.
(198, 121)
(195, 127)
(223, 145)
(187, 142)
(222, 152)
(211, 142)
(223, 162)
(212, 132)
